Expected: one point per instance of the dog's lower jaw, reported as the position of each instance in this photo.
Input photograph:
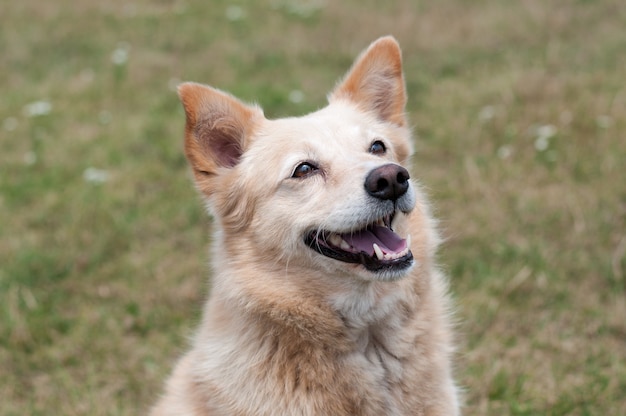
(389, 274)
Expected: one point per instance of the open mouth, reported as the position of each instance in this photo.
(376, 246)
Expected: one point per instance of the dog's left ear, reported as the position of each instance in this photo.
(218, 130)
(375, 81)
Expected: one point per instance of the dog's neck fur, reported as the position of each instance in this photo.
(351, 316)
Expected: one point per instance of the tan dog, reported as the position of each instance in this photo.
(321, 303)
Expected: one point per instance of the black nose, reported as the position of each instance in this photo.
(389, 181)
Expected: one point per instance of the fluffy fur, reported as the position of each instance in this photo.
(288, 330)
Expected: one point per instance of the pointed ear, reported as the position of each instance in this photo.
(218, 128)
(375, 81)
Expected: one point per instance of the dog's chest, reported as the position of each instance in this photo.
(376, 324)
(376, 359)
(381, 356)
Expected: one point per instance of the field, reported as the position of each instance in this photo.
(519, 113)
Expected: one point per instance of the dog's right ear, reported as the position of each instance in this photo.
(218, 129)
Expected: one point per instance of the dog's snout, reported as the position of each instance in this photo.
(388, 182)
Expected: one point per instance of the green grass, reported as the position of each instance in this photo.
(520, 118)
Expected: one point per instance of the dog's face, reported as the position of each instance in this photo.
(326, 191)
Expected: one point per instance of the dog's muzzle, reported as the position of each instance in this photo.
(376, 246)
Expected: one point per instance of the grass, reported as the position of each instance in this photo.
(520, 117)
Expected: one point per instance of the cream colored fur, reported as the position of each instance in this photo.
(287, 330)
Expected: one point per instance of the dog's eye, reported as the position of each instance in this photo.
(304, 169)
(378, 148)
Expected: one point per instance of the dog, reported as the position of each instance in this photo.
(325, 298)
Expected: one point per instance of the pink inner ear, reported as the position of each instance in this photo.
(226, 150)
(220, 139)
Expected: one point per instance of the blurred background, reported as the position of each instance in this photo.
(519, 113)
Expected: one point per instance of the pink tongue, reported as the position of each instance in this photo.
(387, 240)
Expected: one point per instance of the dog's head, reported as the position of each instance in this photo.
(326, 191)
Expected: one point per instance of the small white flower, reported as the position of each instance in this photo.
(486, 113)
(504, 152)
(604, 121)
(9, 124)
(234, 13)
(296, 96)
(304, 9)
(548, 131)
(37, 108)
(30, 158)
(120, 54)
(543, 135)
(542, 143)
(94, 175)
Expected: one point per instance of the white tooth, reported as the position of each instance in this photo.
(344, 245)
(408, 242)
(335, 240)
(378, 251)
